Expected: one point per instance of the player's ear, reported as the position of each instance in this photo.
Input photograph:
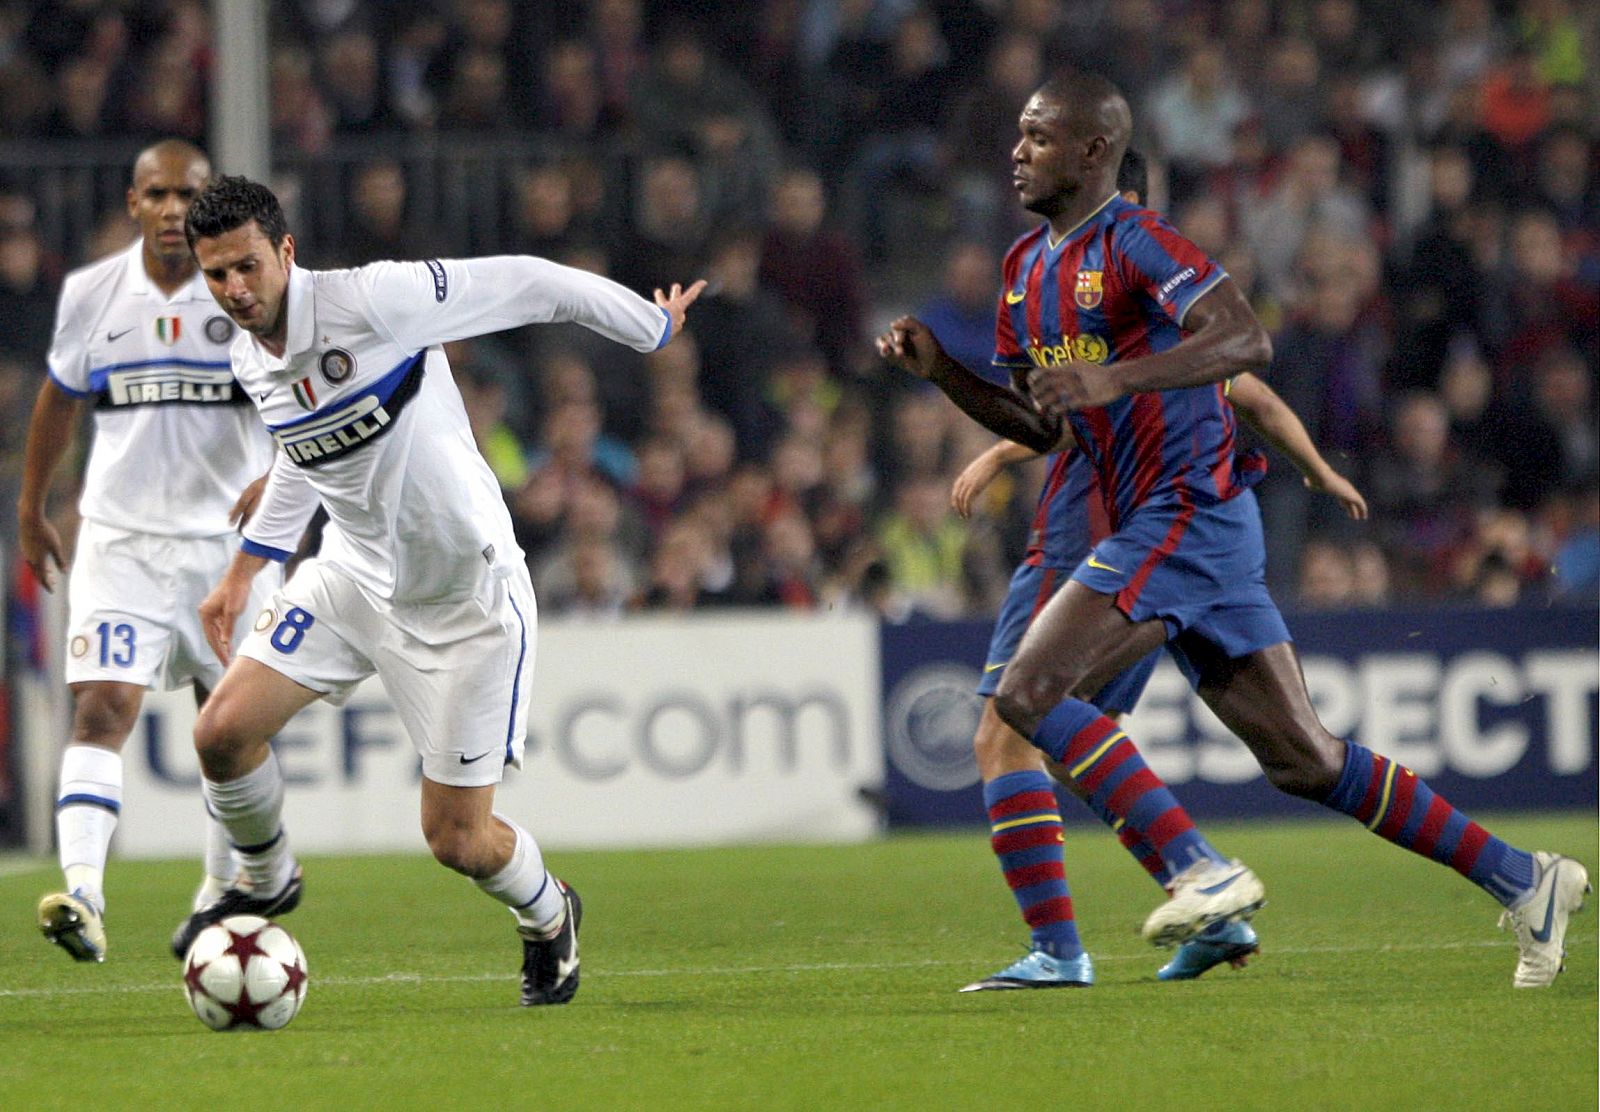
(286, 249)
(133, 204)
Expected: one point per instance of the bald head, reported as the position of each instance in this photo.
(1091, 107)
(169, 152)
(1075, 129)
(167, 176)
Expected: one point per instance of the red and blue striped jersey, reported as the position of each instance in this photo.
(1117, 287)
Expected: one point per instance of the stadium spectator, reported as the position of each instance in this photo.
(816, 269)
(1193, 116)
(924, 546)
(961, 314)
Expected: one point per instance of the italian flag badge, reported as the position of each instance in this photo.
(168, 329)
(303, 393)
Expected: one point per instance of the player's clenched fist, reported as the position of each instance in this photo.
(1072, 386)
(911, 346)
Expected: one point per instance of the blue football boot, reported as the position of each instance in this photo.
(1218, 943)
(1039, 969)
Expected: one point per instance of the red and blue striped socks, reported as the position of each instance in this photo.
(1396, 805)
(1025, 834)
(1121, 787)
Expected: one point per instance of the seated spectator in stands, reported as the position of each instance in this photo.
(616, 29)
(484, 397)
(570, 103)
(816, 269)
(414, 49)
(709, 455)
(1576, 566)
(1541, 304)
(82, 86)
(352, 83)
(28, 292)
(658, 490)
(543, 221)
(377, 227)
(1558, 447)
(919, 433)
(590, 580)
(1310, 195)
(792, 574)
(962, 314)
(475, 100)
(802, 395)
(1424, 490)
(1193, 116)
(666, 235)
(924, 545)
(900, 112)
(1327, 576)
(1373, 581)
(25, 102)
(689, 101)
(677, 576)
(743, 330)
(981, 131)
(573, 446)
(1289, 88)
(299, 117)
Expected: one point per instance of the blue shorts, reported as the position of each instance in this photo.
(1031, 588)
(1200, 568)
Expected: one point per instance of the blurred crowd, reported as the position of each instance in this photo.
(1406, 190)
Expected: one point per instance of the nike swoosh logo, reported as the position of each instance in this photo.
(987, 668)
(466, 760)
(1213, 889)
(1093, 563)
(263, 397)
(1014, 297)
(1543, 933)
(113, 337)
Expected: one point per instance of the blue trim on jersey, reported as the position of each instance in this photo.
(67, 390)
(382, 389)
(97, 377)
(516, 680)
(265, 551)
(93, 800)
(668, 334)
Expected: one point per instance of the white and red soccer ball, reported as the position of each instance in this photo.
(245, 972)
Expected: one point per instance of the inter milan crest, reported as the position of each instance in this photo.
(168, 329)
(304, 394)
(219, 330)
(1091, 285)
(337, 365)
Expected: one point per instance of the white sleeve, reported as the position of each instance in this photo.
(68, 359)
(425, 303)
(286, 506)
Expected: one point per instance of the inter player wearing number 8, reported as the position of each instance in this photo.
(1127, 330)
(419, 578)
(137, 337)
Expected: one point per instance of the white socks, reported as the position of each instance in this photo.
(250, 809)
(86, 814)
(526, 887)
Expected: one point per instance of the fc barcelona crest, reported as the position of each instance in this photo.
(1091, 285)
(168, 329)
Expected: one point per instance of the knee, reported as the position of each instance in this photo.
(1026, 695)
(456, 845)
(220, 737)
(1312, 769)
(103, 715)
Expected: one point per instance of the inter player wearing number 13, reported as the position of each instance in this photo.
(176, 451)
(1122, 327)
(419, 579)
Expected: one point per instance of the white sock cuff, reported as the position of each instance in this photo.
(93, 773)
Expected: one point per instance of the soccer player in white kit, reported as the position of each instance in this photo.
(419, 578)
(139, 338)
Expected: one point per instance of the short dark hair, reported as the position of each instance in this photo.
(232, 202)
(1133, 176)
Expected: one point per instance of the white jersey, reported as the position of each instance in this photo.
(174, 441)
(367, 416)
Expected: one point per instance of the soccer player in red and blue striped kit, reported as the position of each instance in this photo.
(1019, 797)
(1121, 331)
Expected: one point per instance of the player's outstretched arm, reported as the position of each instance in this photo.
(440, 300)
(1224, 340)
(1271, 416)
(911, 346)
(55, 413)
(220, 610)
(977, 475)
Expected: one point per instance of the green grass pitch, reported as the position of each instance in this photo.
(823, 978)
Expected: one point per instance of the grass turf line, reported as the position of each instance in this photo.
(819, 977)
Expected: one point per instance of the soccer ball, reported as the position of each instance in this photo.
(245, 972)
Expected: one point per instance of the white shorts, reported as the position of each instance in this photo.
(459, 673)
(133, 603)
